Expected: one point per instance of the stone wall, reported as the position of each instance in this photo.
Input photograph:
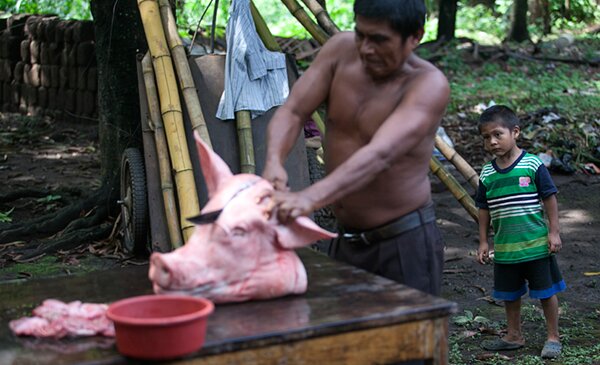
(48, 67)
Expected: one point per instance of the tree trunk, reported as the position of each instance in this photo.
(119, 37)
(447, 20)
(518, 31)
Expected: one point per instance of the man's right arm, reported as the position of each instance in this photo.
(309, 91)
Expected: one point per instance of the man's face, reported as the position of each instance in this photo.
(382, 50)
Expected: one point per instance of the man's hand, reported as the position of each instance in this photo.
(554, 242)
(289, 206)
(277, 176)
(483, 253)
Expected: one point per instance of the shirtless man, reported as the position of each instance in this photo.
(384, 105)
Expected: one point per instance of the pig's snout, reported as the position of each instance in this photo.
(160, 273)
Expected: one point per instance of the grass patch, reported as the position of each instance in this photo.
(579, 334)
(52, 266)
(524, 86)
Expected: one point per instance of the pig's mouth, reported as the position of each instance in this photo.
(200, 291)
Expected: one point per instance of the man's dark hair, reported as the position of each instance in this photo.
(499, 114)
(406, 17)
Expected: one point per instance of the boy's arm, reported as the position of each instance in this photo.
(483, 253)
(547, 191)
(484, 224)
(551, 206)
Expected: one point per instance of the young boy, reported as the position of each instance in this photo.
(510, 189)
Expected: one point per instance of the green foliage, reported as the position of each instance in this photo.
(525, 86)
(469, 320)
(48, 199)
(579, 333)
(5, 216)
(484, 24)
(66, 9)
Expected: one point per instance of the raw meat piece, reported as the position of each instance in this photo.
(57, 319)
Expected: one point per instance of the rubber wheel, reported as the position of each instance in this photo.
(134, 203)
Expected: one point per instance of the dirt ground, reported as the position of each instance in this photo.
(60, 162)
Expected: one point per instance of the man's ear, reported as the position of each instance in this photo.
(415, 39)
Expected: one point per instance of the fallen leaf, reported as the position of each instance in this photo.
(467, 334)
(490, 300)
(490, 355)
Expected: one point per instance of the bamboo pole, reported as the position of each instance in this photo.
(322, 16)
(319, 122)
(172, 115)
(164, 165)
(188, 89)
(269, 41)
(244, 130)
(455, 188)
(299, 13)
(461, 165)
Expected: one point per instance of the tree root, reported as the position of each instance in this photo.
(66, 241)
(36, 193)
(73, 225)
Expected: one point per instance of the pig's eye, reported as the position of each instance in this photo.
(238, 231)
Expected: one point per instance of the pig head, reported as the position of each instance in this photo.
(238, 251)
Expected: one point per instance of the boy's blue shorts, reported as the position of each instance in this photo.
(542, 276)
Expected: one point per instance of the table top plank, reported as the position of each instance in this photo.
(340, 298)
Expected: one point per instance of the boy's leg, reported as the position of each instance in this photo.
(513, 321)
(550, 306)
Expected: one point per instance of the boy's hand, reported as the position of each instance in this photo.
(483, 253)
(554, 242)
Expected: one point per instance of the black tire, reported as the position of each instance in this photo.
(134, 203)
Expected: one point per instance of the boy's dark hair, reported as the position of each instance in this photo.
(406, 17)
(499, 114)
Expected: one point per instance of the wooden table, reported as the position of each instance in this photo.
(347, 316)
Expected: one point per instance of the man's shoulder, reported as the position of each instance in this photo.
(426, 71)
(341, 39)
(428, 83)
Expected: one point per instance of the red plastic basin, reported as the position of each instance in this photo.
(158, 327)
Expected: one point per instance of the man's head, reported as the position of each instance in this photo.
(406, 17)
(387, 31)
(499, 127)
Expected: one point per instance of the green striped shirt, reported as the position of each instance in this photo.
(516, 213)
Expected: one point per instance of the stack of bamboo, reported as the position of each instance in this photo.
(52, 71)
(169, 62)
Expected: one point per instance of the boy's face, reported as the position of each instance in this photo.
(499, 140)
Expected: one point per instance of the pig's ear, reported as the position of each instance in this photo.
(214, 169)
(300, 232)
